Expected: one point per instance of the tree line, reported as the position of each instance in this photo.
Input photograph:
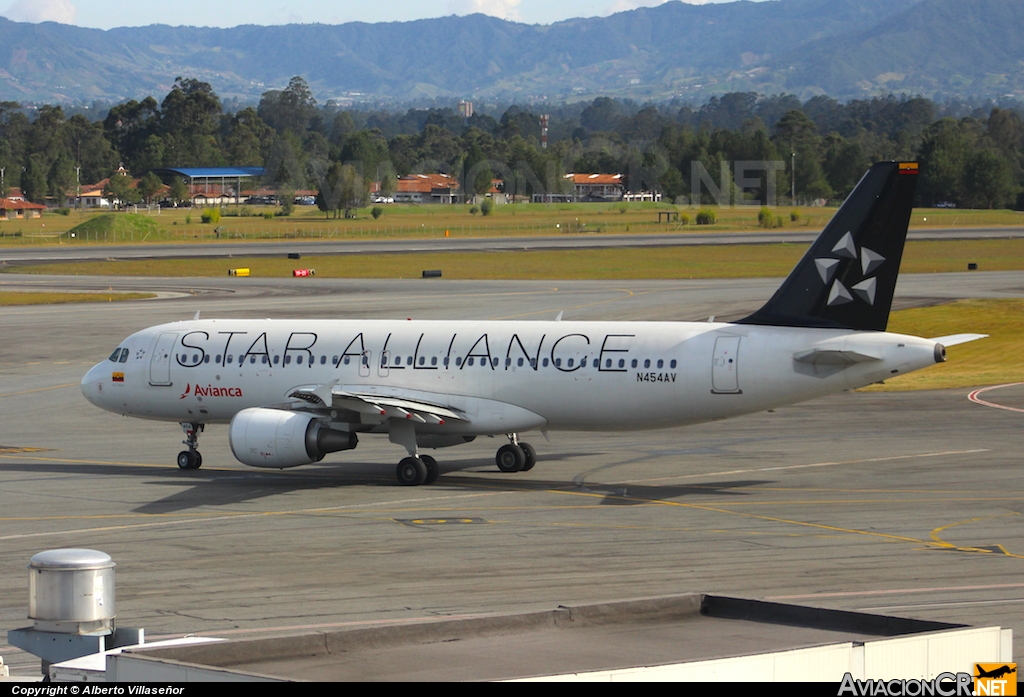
(819, 147)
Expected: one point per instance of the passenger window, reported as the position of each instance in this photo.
(433, 360)
(217, 358)
(470, 361)
(323, 360)
(408, 360)
(545, 362)
(673, 363)
(287, 360)
(661, 363)
(647, 362)
(520, 363)
(277, 359)
(634, 363)
(206, 358)
(423, 359)
(570, 363)
(622, 362)
(252, 359)
(231, 359)
(265, 360)
(608, 363)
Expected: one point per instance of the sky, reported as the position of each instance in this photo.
(105, 14)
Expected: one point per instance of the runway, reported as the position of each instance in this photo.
(901, 503)
(73, 252)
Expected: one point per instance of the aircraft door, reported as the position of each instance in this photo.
(160, 363)
(725, 366)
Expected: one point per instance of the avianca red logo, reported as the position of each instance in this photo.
(211, 391)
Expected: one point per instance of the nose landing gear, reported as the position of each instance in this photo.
(191, 459)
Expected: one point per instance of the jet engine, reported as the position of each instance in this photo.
(277, 438)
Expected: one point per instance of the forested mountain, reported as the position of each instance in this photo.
(973, 158)
(845, 48)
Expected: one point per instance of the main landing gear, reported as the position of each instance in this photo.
(191, 459)
(422, 469)
(516, 456)
(416, 470)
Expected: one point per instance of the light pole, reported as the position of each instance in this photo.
(3, 189)
(792, 172)
(78, 187)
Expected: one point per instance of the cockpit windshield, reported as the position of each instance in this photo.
(120, 355)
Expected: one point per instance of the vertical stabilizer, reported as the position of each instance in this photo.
(848, 276)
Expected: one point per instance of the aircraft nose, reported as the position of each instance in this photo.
(93, 384)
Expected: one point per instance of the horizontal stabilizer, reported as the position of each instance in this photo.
(833, 357)
(954, 339)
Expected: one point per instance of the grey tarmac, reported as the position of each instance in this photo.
(901, 503)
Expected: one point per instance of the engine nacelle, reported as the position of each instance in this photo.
(278, 438)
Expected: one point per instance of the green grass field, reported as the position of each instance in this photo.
(42, 298)
(412, 221)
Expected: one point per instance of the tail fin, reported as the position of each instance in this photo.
(847, 278)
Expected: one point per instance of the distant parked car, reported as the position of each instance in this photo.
(305, 200)
(945, 204)
(383, 199)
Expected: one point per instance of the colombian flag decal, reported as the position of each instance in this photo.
(117, 377)
(908, 168)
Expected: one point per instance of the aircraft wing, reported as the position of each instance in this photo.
(417, 408)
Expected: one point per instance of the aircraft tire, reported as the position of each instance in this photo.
(411, 471)
(189, 460)
(531, 457)
(510, 458)
(432, 469)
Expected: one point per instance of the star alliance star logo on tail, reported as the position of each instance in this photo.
(870, 261)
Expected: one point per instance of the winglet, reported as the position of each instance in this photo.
(848, 276)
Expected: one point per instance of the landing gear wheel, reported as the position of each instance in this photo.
(531, 457)
(411, 471)
(432, 469)
(189, 460)
(510, 458)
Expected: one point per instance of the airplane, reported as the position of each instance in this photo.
(994, 673)
(294, 391)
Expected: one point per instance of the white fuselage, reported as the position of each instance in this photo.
(504, 376)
